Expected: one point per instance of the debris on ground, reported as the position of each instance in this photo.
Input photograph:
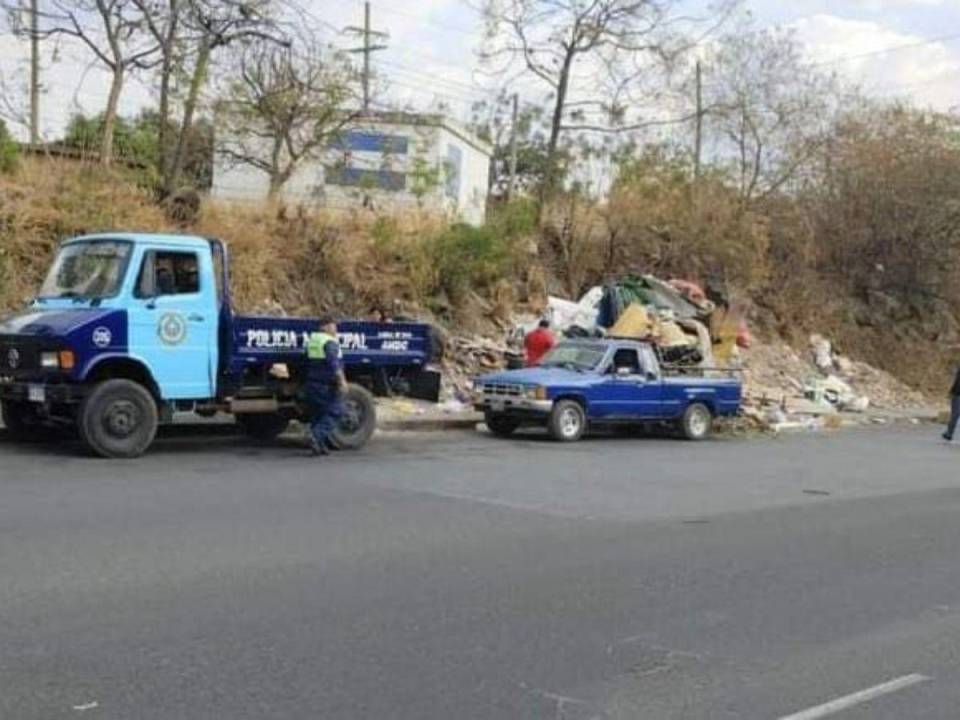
(810, 389)
(784, 387)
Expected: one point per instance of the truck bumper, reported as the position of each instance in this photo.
(40, 392)
(515, 406)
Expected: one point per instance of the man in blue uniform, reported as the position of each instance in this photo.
(326, 384)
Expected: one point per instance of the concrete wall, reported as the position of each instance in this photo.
(378, 164)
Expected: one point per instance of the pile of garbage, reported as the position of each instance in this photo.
(786, 389)
(467, 357)
(690, 326)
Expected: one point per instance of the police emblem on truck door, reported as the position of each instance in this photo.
(172, 328)
(13, 358)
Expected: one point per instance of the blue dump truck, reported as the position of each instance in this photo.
(604, 382)
(130, 328)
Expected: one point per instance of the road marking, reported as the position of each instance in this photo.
(858, 698)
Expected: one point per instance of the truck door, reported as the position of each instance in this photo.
(173, 321)
(631, 390)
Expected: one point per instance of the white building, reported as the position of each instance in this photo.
(383, 160)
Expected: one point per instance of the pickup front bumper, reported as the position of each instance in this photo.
(516, 406)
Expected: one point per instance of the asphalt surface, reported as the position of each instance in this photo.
(456, 576)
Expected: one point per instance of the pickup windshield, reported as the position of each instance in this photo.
(87, 270)
(580, 356)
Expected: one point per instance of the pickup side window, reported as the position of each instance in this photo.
(626, 358)
(168, 273)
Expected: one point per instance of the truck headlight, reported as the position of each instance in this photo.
(63, 360)
(538, 392)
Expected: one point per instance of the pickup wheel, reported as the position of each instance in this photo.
(263, 426)
(19, 418)
(118, 419)
(567, 421)
(697, 422)
(500, 424)
(358, 421)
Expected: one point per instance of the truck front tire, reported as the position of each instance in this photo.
(499, 424)
(697, 422)
(568, 421)
(118, 419)
(263, 426)
(358, 421)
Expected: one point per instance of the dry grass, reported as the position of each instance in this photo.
(283, 259)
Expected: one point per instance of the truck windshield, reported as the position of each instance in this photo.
(576, 355)
(87, 270)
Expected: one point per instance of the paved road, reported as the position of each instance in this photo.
(461, 577)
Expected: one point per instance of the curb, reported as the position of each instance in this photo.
(428, 425)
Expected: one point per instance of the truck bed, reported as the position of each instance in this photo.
(273, 339)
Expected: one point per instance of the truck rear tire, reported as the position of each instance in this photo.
(358, 421)
(568, 421)
(118, 419)
(499, 424)
(263, 426)
(19, 418)
(697, 422)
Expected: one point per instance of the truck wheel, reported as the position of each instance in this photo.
(568, 421)
(358, 421)
(697, 422)
(19, 418)
(500, 424)
(263, 426)
(118, 419)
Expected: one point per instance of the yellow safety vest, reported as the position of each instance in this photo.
(317, 345)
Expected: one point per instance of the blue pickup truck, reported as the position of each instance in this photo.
(129, 328)
(603, 382)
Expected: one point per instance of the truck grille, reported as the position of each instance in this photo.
(503, 389)
(18, 355)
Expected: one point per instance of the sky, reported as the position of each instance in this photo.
(892, 48)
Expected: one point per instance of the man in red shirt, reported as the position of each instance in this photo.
(538, 343)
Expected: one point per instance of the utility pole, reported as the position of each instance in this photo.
(698, 141)
(368, 49)
(513, 149)
(34, 74)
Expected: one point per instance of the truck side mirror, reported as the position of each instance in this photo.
(623, 372)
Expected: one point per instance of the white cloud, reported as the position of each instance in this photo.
(883, 61)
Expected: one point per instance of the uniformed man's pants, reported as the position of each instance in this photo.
(326, 407)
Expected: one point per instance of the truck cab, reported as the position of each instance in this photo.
(608, 381)
(128, 328)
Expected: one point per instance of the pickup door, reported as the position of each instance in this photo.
(629, 390)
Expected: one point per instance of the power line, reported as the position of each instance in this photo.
(426, 21)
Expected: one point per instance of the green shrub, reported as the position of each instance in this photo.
(9, 151)
(467, 257)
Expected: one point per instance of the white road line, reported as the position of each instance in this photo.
(858, 698)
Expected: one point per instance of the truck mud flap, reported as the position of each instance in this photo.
(426, 386)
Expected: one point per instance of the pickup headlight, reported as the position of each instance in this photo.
(538, 392)
(63, 360)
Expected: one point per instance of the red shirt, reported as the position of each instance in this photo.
(537, 344)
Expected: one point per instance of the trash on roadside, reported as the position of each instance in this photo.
(822, 352)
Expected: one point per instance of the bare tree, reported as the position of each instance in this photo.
(284, 107)
(212, 25)
(164, 20)
(768, 107)
(615, 42)
(112, 31)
